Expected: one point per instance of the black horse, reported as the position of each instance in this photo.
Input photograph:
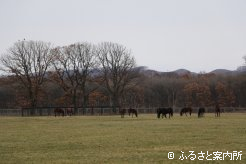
(217, 111)
(132, 111)
(59, 111)
(185, 110)
(201, 112)
(164, 111)
(69, 111)
(122, 112)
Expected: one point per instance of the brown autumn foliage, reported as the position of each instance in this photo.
(225, 95)
(195, 91)
(83, 74)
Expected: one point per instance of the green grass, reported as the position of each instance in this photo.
(111, 139)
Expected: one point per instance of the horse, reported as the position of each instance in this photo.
(69, 111)
(122, 112)
(185, 110)
(164, 111)
(132, 111)
(217, 110)
(59, 111)
(201, 112)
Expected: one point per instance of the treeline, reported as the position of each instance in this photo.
(83, 74)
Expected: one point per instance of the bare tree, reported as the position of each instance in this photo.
(117, 65)
(73, 65)
(29, 61)
(173, 87)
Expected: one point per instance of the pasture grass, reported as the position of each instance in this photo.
(111, 139)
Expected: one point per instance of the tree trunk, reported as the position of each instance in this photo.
(115, 103)
(33, 102)
(84, 104)
(75, 102)
(33, 106)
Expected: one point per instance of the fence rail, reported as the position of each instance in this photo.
(49, 111)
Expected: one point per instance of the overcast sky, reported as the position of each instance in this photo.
(165, 35)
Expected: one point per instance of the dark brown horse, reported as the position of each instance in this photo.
(122, 112)
(201, 112)
(59, 112)
(185, 110)
(69, 111)
(164, 111)
(132, 111)
(217, 110)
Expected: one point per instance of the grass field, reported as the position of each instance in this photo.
(111, 139)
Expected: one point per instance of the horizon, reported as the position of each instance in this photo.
(189, 70)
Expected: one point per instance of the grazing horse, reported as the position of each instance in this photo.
(217, 110)
(185, 110)
(122, 112)
(69, 111)
(201, 112)
(59, 111)
(132, 111)
(164, 111)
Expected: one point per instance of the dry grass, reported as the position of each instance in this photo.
(111, 139)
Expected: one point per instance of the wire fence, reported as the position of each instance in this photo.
(101, 111)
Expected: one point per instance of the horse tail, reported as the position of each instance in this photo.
(55, 111)
(136, 113)
(158, 112)
(60, 110)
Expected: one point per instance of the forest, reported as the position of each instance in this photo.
(82, 74)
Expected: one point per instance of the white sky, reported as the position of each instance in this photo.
(165, 35)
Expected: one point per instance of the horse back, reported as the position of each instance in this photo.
(58, 111)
